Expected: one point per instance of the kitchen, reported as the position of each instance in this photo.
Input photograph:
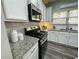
(39, 29)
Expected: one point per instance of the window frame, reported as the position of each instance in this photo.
(67, 17)
(67, 24)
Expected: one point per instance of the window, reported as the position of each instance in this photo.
(73, 13)
(73, 20)
(69, 18)
(60, 14)
(59, 21)
(59, 17)
(73, 17)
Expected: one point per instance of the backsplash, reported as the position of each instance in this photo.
(12, 25)
(18, 26)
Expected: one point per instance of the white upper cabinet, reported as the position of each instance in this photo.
(49, 13)
(2, 14)
(40, 4)
(15, 9)
(32, 53)
(35, 2)
(43, 11)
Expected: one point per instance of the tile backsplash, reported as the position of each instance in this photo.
(18, 26)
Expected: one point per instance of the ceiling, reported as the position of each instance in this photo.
(48, 1)
(51, 0)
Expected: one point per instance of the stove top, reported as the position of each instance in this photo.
(37, 34)
(40, 35)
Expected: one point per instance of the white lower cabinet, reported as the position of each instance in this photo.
(73, 41)
(52, 36)
(32, 53)
(63, 38)
(66, 38)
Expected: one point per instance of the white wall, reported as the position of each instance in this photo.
(5, 47)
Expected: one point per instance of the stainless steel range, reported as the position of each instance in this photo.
(42, 36)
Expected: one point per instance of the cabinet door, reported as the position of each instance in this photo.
(40, 4)
(44, 13)
(35, 2)
(42, 7)
(15, 9)
(49, 13)
(34, 54)
(63, 37)
(73, 41)
(52, 36)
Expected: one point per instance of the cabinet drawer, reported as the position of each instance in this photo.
(27, 55)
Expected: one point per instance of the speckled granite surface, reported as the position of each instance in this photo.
(72, 31)
(21, 47)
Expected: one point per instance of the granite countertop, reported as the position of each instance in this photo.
(72, 31)
(21, 47)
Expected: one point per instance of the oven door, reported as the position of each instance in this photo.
(44, 49)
